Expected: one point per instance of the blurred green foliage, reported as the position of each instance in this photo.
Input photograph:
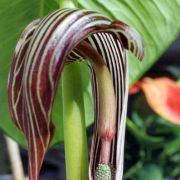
(152, 144)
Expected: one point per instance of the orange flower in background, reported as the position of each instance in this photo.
(134, 88)
(163, 96)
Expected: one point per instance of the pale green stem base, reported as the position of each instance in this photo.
(67, 3)
(74, 123)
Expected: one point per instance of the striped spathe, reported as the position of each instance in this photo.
(39, 57)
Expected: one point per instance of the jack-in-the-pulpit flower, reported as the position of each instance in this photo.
(40, 55)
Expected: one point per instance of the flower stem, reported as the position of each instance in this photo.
(15, 159)
(75, 138)
(74, 123)
(67, 3)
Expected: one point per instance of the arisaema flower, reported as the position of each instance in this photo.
(40, 55)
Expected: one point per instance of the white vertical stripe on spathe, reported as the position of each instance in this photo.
(114, 60)
(28, 75)
(121, 138)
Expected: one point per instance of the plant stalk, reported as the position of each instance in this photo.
(15, 159)
(75, 138)
(67, 3)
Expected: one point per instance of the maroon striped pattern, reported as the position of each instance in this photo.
(113, 53)
(38, 60)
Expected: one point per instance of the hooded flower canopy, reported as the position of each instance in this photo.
(40, 55)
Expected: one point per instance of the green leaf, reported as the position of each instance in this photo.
(171, 148)
(149, 172)
(14, 16)
(157, 22)
(142, 137)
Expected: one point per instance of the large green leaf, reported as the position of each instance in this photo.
(157, 22)
(14, 16)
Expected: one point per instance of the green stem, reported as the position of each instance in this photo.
(75, 138)
(140, 135)
(67, 3)
(74, 123)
